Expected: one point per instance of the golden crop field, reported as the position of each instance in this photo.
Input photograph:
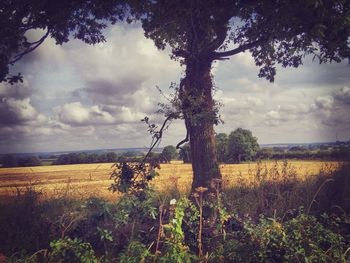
(85, 180)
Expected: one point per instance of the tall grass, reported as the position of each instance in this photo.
(278, 190)
(28, 222)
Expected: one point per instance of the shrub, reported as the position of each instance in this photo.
(72, 251)
(136, 252)
(301, 239)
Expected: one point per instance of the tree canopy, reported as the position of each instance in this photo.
(274, 31)
(169, 153)
(59, 20)
(242, 146)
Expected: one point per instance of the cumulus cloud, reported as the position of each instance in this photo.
(76, 114)
(17, 112)
(16, 107)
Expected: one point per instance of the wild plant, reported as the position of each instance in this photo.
(172, 236)
(71, 250)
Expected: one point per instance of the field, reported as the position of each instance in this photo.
(85, 180)
(263, 211)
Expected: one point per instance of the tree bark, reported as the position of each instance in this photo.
(200, 116)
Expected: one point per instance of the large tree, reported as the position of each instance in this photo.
(169, 153)
(275, 32)
(200, 32)
(242, 146)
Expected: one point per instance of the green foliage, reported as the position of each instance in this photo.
(291, 29)
(72, 250)
(106, 235)
(169, 153)
(135, 253)
(239, 146)
(131, 208)
(133, 178)
(174, 248)
(60, 20)
(242, 146)
(301, 239)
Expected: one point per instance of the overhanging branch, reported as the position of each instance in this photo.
(225, 54)
(32, 47)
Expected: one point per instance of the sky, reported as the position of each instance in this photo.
(80, 97)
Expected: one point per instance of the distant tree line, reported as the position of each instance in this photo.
(241, 146)
(334, 153)
(168, 153)
(11, 160)
(81, 158)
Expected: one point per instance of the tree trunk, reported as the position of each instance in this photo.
(200, 116)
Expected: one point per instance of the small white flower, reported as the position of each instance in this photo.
(172, 201)
(174, 221)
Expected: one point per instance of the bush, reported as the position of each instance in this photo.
(72, 251)
(301, 239)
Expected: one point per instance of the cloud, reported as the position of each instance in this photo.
(76, 91)
(17, 112)
(275, 118)
(324, 102)
(331, 111)
(17, 91)
(343, 95)
(16, 107)
(112, 92)
(75, 114)
(287, 115)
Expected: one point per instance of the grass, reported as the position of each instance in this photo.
(86, 180)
